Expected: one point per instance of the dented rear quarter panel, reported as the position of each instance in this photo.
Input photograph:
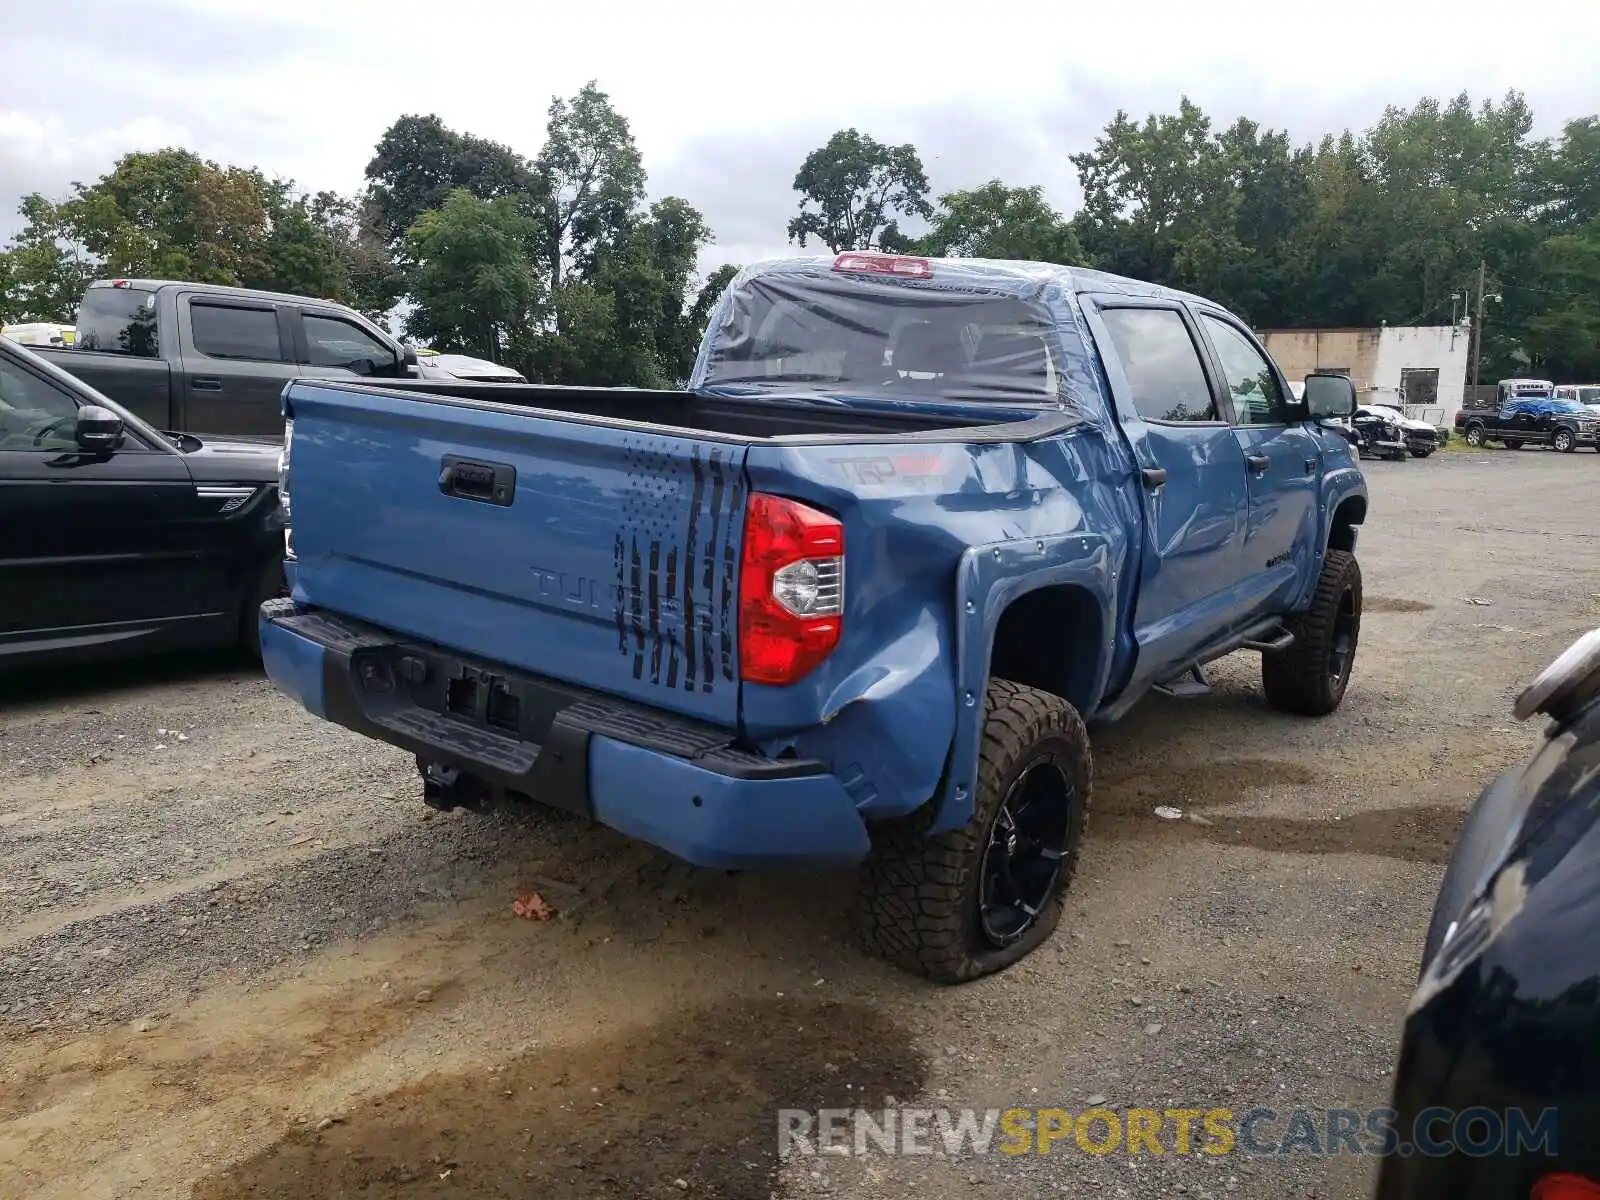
(939, 540)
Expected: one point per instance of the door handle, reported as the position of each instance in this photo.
(1311, 466)
(1258, 462)
(205, 383)
(1153, 477)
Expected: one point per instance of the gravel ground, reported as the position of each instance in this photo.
(237, 957)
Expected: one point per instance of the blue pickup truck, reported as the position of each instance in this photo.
(850, 597)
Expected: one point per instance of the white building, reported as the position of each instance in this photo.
(1420, 367)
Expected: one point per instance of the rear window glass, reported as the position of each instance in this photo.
(119, 321)
(872, 338)
(225, 331)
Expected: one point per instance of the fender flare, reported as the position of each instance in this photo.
(988, 579)
(1338, 486)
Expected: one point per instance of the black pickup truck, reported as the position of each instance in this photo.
(204, 359)
(1531, 420)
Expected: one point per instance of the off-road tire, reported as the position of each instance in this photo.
(269, 583)
(1296, 680)
(920, 893)
(1421, 453)
(1474, 435)
(1564, 441)
(1513, 443)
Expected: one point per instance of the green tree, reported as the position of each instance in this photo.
(1157, 204)
(591, 177)
(1569, 182)
(705, 300)
(474, 279)
(851, 190)
(1563, 334)
(996, 221)
(419, 161)
(631, 322)
(43, 273)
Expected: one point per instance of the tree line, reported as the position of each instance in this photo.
(560, 266)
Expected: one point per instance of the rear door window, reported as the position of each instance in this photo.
(1162, 364)
(233, 331)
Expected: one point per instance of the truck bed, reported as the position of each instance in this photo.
(786, 417)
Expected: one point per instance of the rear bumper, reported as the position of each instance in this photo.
(676, 783)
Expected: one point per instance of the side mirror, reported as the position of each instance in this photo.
(99, 430)
(408, 357)
(1329, 396)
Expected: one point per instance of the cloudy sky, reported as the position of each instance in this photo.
(726, 98)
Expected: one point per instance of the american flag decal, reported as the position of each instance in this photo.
(674, 559)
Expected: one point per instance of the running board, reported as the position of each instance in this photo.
(1275, 640)
(1187, 686)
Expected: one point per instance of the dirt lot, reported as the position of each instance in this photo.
(237, 958)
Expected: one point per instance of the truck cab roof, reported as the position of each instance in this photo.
(1014, 276)
(216, 289)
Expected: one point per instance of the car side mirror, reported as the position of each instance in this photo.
(99, 430)
(1329, 396)
(408, 357)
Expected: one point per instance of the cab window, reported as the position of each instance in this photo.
(333, 342)
(232, 331)
(1159, 358)
(34, 413)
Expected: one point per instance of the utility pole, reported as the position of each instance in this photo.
(1477, 333)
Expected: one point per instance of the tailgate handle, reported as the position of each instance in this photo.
(488, 483)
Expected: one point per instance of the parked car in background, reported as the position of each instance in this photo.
(849, 599)
(1523, 420)
(1586, 394)
(117, 538)
(213, 360)
(1417, 438)
(1505, 1020)
(431, 364)
(40, 333)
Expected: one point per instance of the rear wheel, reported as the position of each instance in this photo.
(1564, 441)
(269, 584)
(963, 904)
(1310, 677)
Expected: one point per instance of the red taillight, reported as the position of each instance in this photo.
(119, 283)
(884, 264)
(1565, 1187)
(791, 590)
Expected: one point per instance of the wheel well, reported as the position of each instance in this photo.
(1050, 639)
(1349, 514)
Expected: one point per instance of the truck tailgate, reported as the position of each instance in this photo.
(587, 551)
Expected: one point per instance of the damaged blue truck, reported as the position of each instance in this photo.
(849, 598)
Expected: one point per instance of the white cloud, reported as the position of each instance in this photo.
(726, 96)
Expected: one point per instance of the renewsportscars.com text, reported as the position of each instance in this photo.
(1476, 1132)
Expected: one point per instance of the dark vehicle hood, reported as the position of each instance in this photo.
(233, 459)
(1504, 1017)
